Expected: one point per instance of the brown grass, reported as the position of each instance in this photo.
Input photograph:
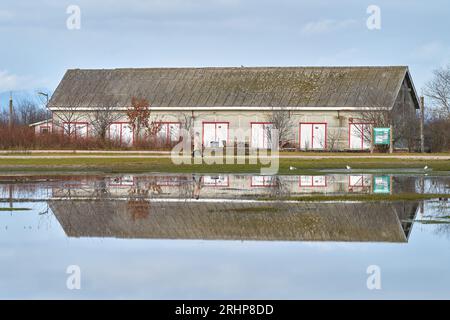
(24, 138)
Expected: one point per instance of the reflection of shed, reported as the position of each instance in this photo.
(237, 220)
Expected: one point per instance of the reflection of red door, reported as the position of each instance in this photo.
(313, 135)
(313, 181)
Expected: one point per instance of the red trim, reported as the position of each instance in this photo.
(312, 134)
(264, 185)
(361, 179)
(359, 187)
(76, 123)
(170, 181)
(215, 130)
(251, 130)
(215, 185)
(168, 141)
(312, 182)
(43, 127)
(362, 136)
(121, 125)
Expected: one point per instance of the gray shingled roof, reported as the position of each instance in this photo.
(287, 87)
(376, 221)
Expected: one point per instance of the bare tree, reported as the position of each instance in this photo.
(69, 114)
(281, 121)
(437, 126)
(65, 120)
(438, 91)
(4, 117)
(334, 137)
(103, 117)
(187, 122)
(28, 111)
(402, 117)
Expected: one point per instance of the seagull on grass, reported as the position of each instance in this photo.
(348, 167)
(292, 168)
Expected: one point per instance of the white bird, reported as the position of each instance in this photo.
(348, 167)
(425, 168)
(292, 168)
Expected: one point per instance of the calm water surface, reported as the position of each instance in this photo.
(221, 237)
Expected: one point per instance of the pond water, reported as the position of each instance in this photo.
(223, 237)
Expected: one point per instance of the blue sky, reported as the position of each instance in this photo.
(37, 47)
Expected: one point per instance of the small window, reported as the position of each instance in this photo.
(44, 130)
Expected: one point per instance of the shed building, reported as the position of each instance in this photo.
(327, 107)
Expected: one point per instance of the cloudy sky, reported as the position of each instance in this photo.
(37, 47)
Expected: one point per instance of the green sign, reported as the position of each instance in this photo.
(381, 184)
(381, 135)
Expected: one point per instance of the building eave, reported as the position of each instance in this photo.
(225, 108)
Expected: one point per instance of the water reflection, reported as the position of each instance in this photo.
(224, 206)
(380, 222)
(220, 186)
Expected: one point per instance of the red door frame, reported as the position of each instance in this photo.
(251, 128)
(215, 185)
(75, 123)
(312, 134)
(312, 182)
(362, 137)
(264, 185)
(121, 124)
(215, 130)
(168, 133)
(362, 185)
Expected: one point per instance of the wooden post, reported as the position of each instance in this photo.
(391, 139)
(422, 122)
(11, 112)
(372, 146)
(422, 191)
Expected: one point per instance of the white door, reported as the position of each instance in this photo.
(261, 135)
(313, 181)
(114, 131)
(319, 136)
(262, 181)
(306, 136)
(81, 130)
(215, 181)
(209, 134)
(127, 134)
(222, 134)
(174, 132)
(162, 133)
(313, 136)
(215, 134)
(360, 136)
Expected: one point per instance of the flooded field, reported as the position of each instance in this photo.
(224, 236)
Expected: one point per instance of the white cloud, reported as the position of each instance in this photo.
(7, 81)
(327, 25)
(10, 81)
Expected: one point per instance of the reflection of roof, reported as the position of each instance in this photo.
(227, 88)
(378, 222)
